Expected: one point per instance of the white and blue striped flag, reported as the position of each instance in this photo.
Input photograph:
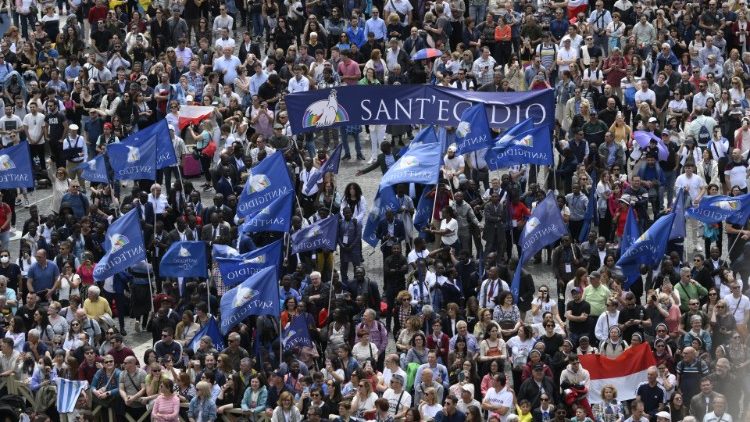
(67, 394)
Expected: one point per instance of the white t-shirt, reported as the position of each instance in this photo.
(737, 176)
(737, 307)
(648, 96)
(10, 123)
(451, 225)
(35, 125)
(693, 184)
(502, 398)
(393, 401)
(519, 349)
(414, 255)
(543, 308)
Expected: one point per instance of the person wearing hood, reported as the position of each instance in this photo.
(614, 346)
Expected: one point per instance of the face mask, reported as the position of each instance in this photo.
(4, 260)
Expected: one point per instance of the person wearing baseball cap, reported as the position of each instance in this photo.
(533, 387)
(467, 399)
(74, 151)
(398, 398)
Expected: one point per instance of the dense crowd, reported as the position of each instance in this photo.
(437, 335)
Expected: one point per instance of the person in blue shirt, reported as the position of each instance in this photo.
(42, 275)
(356, 33)
(654, 181)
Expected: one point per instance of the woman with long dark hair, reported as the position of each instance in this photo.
(354, 200)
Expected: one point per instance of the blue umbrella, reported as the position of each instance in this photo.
(426, 53)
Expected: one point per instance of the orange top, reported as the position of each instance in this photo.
(502, 33)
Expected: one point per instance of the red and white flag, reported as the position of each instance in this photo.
(189, 115)
(625, 372)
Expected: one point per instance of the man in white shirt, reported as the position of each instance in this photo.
(298, 83)
(695, 186)
(33, 125)
(226, 65)
(736, 171)
(224, 40)
(739, 306)
(399, 400)
(498, 400)
(645, 94)
(483, 67)
(720, 412)
(566, 56)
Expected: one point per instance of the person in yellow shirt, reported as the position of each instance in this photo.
(97, 308)
(523, 410)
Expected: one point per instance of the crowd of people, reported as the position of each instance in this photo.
(437, 335)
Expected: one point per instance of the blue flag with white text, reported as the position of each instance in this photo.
(224, 251)
(15, 167)
(94, 170)
(384, 200)
(545, 226)
(211, 329)
(533, 146)
(296, 335)
(257, 295)
(590, 216)
(267, 181)
(473, 132)
(423, 211)
(184, 259)
(420, 164)
(123, 245)
(648, 249)
(678, 209)
(165, 154)
(712, 209)
(330, 166)
(275, 216)
(321, 234)
(631, 231)
(133, 159)
(236, 269)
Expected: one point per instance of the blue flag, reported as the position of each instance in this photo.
(716, 208)
(506, 139)
(237, 269)
(544, 226)
(133, 161)
(165, 155)
(321, 234)
(678, 228)
(211, 329)
(423, 211)
(185, 259)
(275, 216)
(384, 200)
(224, 251)
(94, 170)
(266, 182)
(15, 167)
(530, 147)
(631, 231)
(123, 245)
(648, 249)
(591, 213)
(296, 335)
(420, 164)
(473, 132)
(258, 295)
(330, 166)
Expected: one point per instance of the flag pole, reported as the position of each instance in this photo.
(299, 206)
(150, 288)
(208, 292)
(333, 199)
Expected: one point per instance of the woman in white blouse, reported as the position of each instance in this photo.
(354, 199)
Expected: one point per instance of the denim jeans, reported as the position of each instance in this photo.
(256, 20)
(478, 12)
(345, 141)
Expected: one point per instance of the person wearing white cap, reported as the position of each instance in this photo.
(399, 400)
(663, 417)
(74, 152)
(453, 165)
(466, 398)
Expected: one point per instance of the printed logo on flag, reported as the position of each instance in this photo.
(463, 129)
(260, 259)
(6, 163)
(118, 242)
(184, 253)
(244, 295)
(91, 164)
(643, 237)
(531, 224)
(134, 154)
(314, 231)
(324, 113)
(526, 141)
(257, 183)
(407, 162)
(289, 335)
(727, 205)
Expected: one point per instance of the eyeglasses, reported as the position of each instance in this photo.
(109, 361)
(712, 294)
(75, 324)
(155, 371)
(544, 399)
(720, 306)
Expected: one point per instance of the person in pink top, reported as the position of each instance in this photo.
(349, 70)
(167, 405)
